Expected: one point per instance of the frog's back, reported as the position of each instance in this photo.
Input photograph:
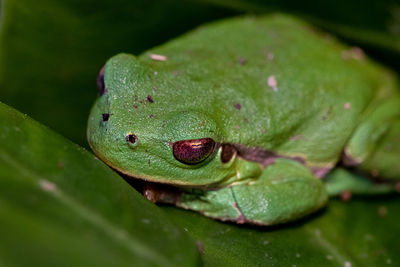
(271, 82)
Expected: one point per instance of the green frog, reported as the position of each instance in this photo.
(250, 120)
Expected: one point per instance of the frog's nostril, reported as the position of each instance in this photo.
(131, 138)
(105, 116)
(100, 82)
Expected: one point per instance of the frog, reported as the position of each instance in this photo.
(251, 119)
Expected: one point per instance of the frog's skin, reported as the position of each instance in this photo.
(274, 105)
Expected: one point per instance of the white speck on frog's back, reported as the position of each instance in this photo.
(273, 83)
(157, 57)
(347, 105)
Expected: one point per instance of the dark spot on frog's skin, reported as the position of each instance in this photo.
(242, 61)
(149, 99)
(135, 106)
(105, 116)
(131, 138)
(151, 116)
(203, 123)
(148, 162)
(246, 120)
(237, 106)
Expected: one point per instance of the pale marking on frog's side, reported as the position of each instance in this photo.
(157, 57)
(273, 83)
(347, 105)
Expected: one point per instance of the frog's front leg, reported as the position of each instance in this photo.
(285, 191)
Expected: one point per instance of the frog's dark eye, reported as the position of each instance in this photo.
(227, 152)
(100, 82)
(193, 151)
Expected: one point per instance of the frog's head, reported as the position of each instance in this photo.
(140, 127)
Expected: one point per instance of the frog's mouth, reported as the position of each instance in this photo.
(267, 157)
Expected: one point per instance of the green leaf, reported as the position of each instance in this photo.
(362, 232)
(60, 206)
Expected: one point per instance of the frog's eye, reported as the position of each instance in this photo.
(227, 152)
(100, 81)
(193, 151)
